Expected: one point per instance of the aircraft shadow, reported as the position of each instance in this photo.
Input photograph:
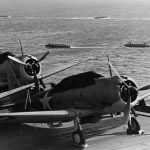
(45, 138)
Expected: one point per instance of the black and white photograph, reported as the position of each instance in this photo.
(74, 74)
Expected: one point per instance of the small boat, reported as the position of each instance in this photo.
(4, 16)
(52, 45)
(129, 44)
(100, 17)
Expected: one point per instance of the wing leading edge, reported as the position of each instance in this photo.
(44, 116)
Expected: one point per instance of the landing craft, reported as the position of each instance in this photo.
(101, 17)
(140, 45)
(85, 98)
(52, 45)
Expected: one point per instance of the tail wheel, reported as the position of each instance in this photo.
(134, 127)
(78, 137)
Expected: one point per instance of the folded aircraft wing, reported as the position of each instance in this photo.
(139, 99)
(3, 83)
(62, 68)
(44, 116)
(6, 106)
(7, 93)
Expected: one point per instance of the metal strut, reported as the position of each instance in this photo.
(77, 135)
(77, 124)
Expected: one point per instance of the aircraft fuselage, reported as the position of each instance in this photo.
(103, 93)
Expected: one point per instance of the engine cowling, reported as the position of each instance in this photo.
(31, 68)
(126, 92)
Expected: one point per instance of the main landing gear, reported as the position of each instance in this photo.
(134, 127)
(78, 136)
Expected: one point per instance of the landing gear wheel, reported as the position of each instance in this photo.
(78, 137)
(134, 127)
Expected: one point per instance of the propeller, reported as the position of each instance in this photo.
(146, 87)
(130, 90)
(16, 60)
(43, 57)
(32, 65)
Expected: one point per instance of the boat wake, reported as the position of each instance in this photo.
(70, 18)
(83, 18)
(87, 18)
(85, 47)
(100, 18)
(130, 19)
(80, 18)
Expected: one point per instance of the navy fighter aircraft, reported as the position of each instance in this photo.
(84, 98)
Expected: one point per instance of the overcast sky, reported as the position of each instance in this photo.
(56, 2)
(7, 6)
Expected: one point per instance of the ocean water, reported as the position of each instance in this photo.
(77, 27)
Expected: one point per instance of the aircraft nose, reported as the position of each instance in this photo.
(131, 92)
(32, 66)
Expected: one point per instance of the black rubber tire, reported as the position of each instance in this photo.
(134, 127)
(78, 137)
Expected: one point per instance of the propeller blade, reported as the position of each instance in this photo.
(147, 87)
(116, 72)
(21, 47)
(43, 57)
(127, 112)
(16, 60)
(109, 67)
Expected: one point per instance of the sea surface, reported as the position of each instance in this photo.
(88, 37)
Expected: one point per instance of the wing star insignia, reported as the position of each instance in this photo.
(45, 101)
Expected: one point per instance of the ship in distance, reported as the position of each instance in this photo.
(141, 45)
(5, 16)
(100, 17)
(52, 45)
